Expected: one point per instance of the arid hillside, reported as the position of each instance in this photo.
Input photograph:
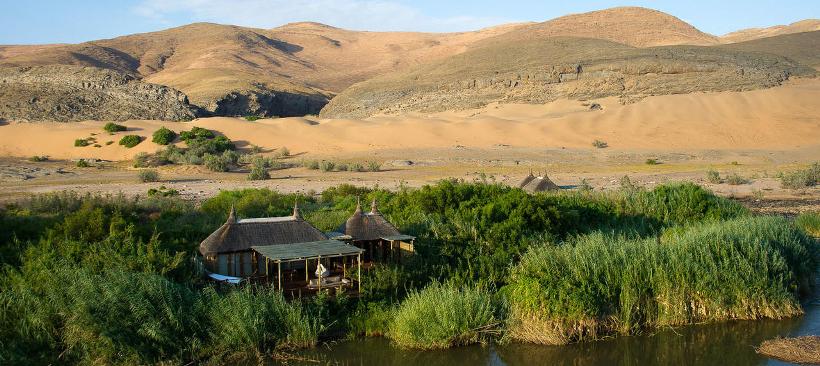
(552, 68)
(295, 69)
(808, 25)
(634, 26)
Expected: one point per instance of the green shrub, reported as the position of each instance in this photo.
(108, 143)
(130, 141)
(443, 316)
(162, 192)
(327, 166)
(374, 166)
(81, 143)
(809, 222)
(735, 179)
(38, 159)
(355, 167)
(600, 144)
(149, 175)
(652, 162)
(803, 178)
(163, 136)
(311, 164)
(713, 177)
(196, 133)
(596, 285)
(281, 153)
(251, 118)
(111, 127)
(82, 163)
(216, 163)
(258, 173)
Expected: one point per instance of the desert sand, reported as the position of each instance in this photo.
(783, 118)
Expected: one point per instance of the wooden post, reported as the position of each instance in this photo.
(267, 268)
(307, 274)
(319, 262)
(279, 274)
(344, 267)
(359, 262)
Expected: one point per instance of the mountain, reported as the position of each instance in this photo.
(74, 93)
(801, 47)
(230, 70)
(808, 25)
(297, 68)
(542, 70)
(634, 26)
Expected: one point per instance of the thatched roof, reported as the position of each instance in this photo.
(526, 180)
(540, 184)
(368, 226)
(240, 235)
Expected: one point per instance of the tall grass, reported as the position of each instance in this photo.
(443, 316)
(257, 320)
(596, 285)
(809, 222)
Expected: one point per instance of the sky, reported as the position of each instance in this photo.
(61, 21)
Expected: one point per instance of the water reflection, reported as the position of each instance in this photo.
(717, 344)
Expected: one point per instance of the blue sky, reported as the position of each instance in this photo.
(60, 21)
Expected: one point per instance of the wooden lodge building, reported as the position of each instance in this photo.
(291, 254)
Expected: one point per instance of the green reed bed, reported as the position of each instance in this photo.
(596, 285)
(442, 316)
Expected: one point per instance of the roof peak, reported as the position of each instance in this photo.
(231, 216)
(296, 213)
(374, 209)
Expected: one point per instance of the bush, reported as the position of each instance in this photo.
(81, 143)
(600, 144)
(652, 162)
(38, 159)
(735, 180)
(82, 163)
(111, 127)
(713, 177)
(215, 163)
(258, 173)
(809, 222)
(130, 141)
(108, 143)
(804, 178)
(250, 118)
(374, 166)
(443, 316)
(597, 285)
(311, 164)
(149, 175)
(327, 166)
(355, 167)
(196, 133)
(282, 153)
(163, 136)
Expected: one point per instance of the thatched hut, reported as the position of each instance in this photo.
(529, 178)
(541, 184)
(228, 250)
(378, 237)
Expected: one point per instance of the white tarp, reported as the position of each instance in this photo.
(321, 271)
(223, 278)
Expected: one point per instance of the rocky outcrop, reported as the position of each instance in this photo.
(74, 93)
(267, 103)
(545, 70)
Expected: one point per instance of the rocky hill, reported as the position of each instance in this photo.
(801, 47)
(634, 26)
(808, 25)
(543, 70)
(229, 70)
(75, 93)
(297, 68)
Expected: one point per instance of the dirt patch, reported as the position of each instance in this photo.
(802, 350)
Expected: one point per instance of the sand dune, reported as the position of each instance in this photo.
(781, 118)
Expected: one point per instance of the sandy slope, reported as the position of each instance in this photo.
(781, 118)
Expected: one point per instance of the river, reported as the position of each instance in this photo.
(730, 343)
